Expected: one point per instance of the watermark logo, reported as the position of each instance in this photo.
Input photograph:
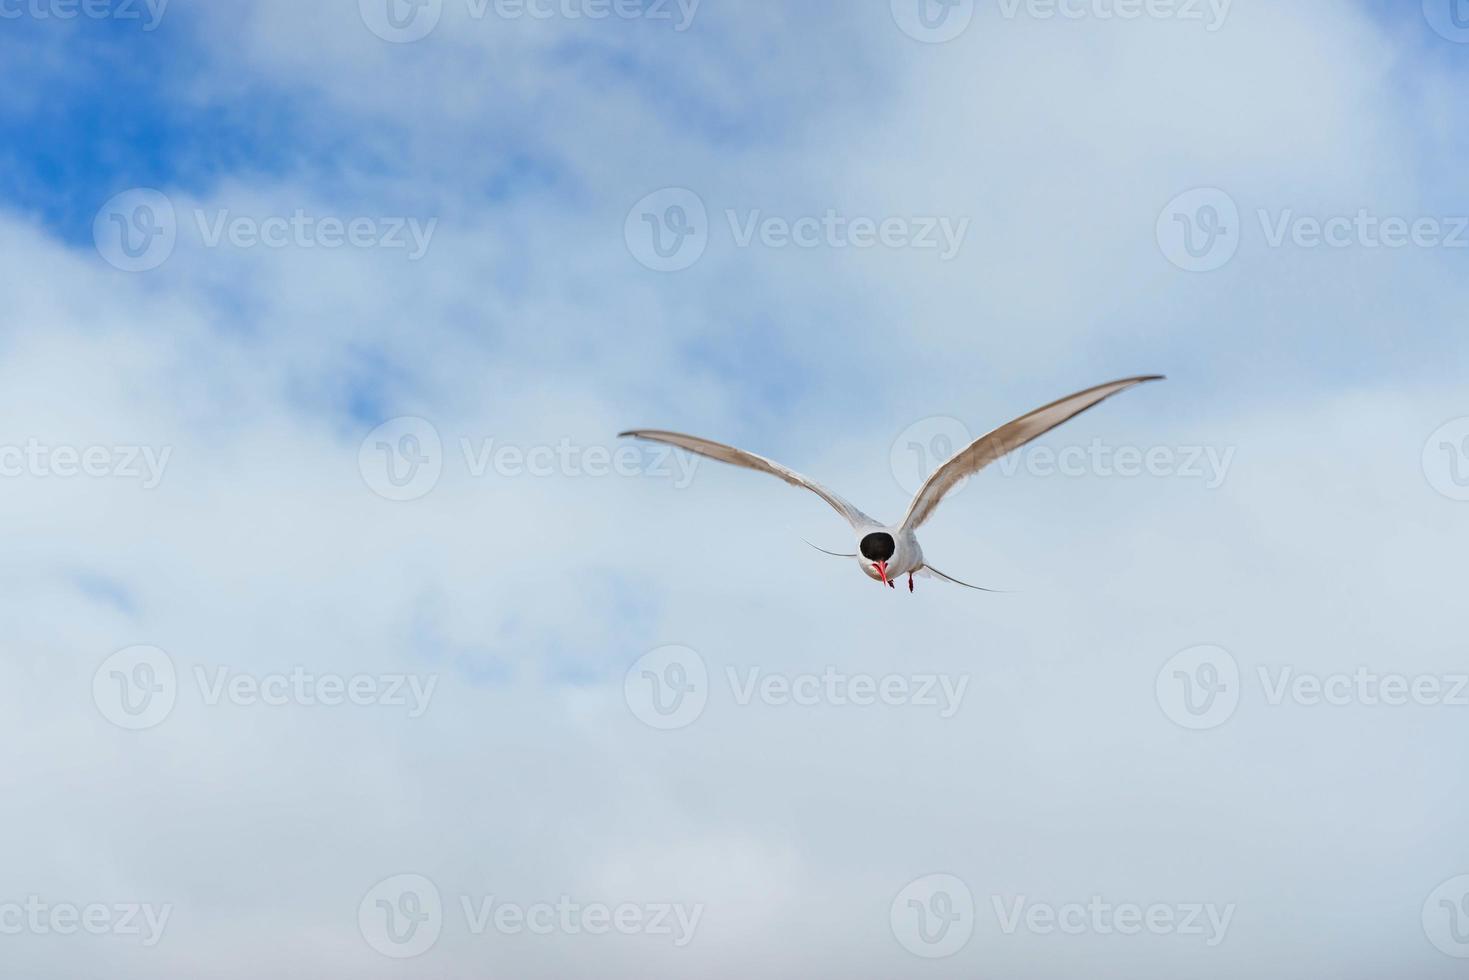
(933, 21)
(1450, 18)
(1199, 688)
(1099, 917)
(668, 230)
(38, 917)
(1446, 459)
(929, 443)
(839, 689)
(145, 464)
(1199, 230)
(836, 231)
(402, 459)
(1362, 230)
(1207, 464)
(1362, 687)
(1211, 13)
(566, 458)
(401, 21)
(136, 688)
(1446, 917)
(406, 21)
(925, 446)
(149, 12)
(570, 917)
(670, 687)
(307, 689)
(304, 230)
(402, 916)
(136, 231)
(933, 916)
(667, 688)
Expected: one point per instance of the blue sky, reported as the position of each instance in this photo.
(397, 457)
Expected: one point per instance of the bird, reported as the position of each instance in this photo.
(885, 553)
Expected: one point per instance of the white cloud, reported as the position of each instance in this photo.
(529, 323)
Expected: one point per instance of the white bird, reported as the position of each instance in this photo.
(885, 553)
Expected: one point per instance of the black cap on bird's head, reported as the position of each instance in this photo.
(878, 548)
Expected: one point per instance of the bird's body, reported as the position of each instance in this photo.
(886, 553)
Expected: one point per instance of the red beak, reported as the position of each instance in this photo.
(882, 569)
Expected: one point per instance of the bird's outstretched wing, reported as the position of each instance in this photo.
(1007, 438)
(738, 457)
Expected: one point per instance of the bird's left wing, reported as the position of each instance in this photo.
(738, 457)
(1007, 438)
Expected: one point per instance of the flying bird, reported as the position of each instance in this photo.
(886, 553)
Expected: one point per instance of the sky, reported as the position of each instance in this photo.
(344, 638)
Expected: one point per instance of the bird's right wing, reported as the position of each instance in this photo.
(738, 457)
(1007, 438)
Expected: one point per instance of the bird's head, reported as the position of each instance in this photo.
(877, 550)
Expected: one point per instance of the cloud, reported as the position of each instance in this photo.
(529, 321)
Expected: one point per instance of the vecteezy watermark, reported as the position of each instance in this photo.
(837, 688)
(137, 688)
(1362, 686)
(928, 443)
(130, 920)
(1201, 230)
(933, 916)
(571, 917)
(406, 21)
(1446, 917)
(669, 230)
(148, 12)
(403, 460)
(36, 459)
(933, 21)
(138, 230)
(1363, 230)
(925, 446)
(1450, 18)
(1208, 464)
(1200, 688)
(1097, 917)
(830, 229)
(486, 457)
(1446, 459)
(403, 916)
(1210, 13)
(668, 688)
